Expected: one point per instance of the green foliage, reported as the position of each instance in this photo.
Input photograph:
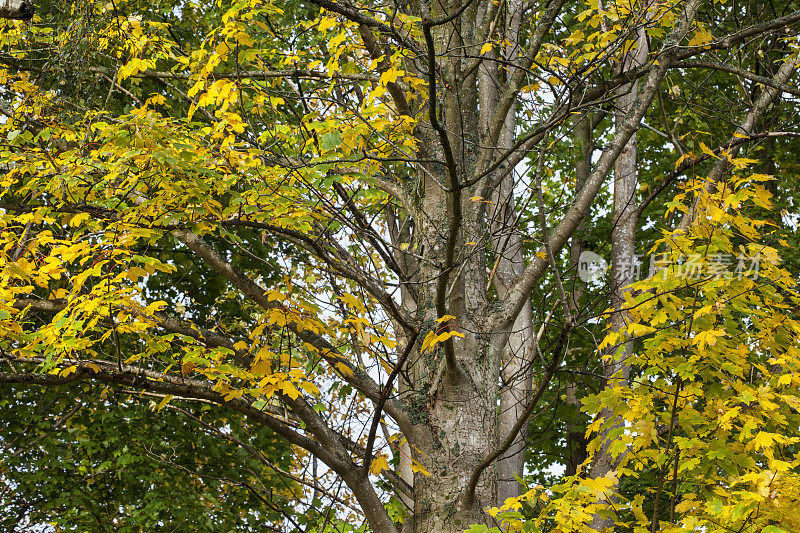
(193, 246)
(91, 458)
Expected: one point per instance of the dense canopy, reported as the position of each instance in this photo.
(400, 266)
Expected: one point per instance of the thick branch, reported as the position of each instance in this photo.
(349, 12)
(454, 196)
(355, 376)
(327, 448)
(742, 73)
(746, 128)
(508, 440)
(375, 52)
(729, 40)
(582, 203)
(150, 380)
(260, 456)
(511, 90)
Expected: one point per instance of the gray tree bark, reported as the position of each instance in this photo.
(16, 9)
(623, 246)
(516, 373)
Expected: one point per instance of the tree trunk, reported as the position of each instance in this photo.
(16, 9)
(623, 250)
(516, 373)
(455, 451)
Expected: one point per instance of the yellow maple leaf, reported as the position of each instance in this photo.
(379, 464)
(416, 466)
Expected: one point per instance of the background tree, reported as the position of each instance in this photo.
(83, 459)
(358, 227)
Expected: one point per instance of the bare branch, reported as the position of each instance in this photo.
(742, 73)
(580, 206)
(356, 376)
